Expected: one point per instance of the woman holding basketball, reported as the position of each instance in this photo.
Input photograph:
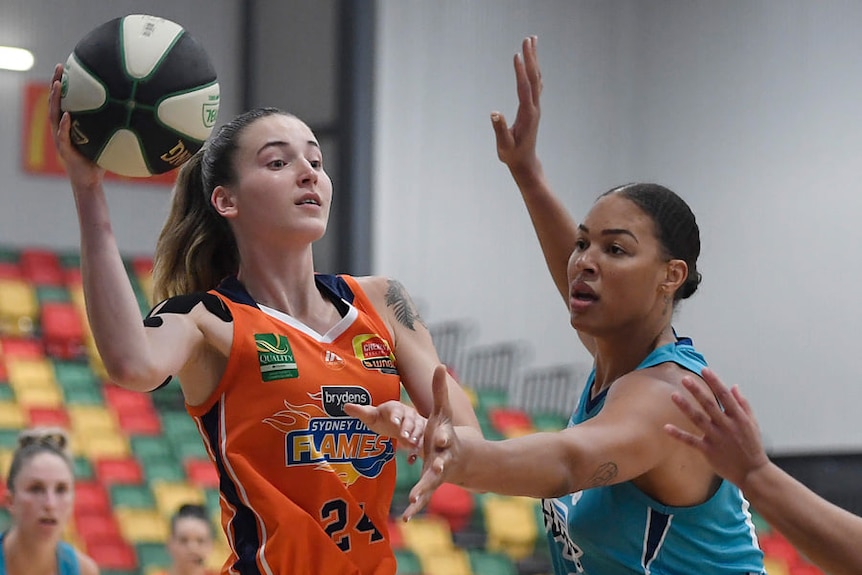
(40, 491)
(620, 496)
(267, 350)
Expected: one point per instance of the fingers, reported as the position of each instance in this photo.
(440, 390)
(697, 416)
(367, 414)
(505, 140)
(432, 478)
(531, 64)
(683, 436)
(731, 406)
(706, 401)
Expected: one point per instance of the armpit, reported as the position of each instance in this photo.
(184, 304)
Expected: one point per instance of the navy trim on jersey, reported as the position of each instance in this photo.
(657, 525)
(244, 524)
(333, 287)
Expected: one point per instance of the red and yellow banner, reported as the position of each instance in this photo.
(38, 154)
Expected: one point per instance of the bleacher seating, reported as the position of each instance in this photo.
(138, 456)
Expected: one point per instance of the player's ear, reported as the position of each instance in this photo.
(224, 201)
(676, 272)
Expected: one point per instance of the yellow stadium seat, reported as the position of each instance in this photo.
(30, 372)
(454, 562)
(92, 419)
(220, 553)
(142, 525)
(170, 495)
(101, 445)
(50, 397)
(11, 416)
(5, 462)
(511, 525)
(775, 566)
(427, 535)
(19, 307)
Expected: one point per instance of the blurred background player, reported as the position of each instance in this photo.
(40, 491)
(191, 541)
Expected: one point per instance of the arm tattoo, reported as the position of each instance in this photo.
(399, 300)
(605, 473)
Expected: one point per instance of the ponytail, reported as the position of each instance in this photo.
(196, 248)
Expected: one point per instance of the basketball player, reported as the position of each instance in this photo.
(267, 350)
(619, 496)
(40, 490)
(825, 533)
(190, 542)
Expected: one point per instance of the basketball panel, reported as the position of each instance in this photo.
(146, 41)
(81, 90)
(193, 113)
(122, 155)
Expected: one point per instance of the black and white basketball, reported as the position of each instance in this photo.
(142, 94)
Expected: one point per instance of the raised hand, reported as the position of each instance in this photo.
(81, 171)
(441, 447)
(516, 146)
(392, 419)
(731, 438)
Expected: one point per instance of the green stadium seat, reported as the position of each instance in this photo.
(491, 563)
(50, 293)
(166, 469)
(132, 496)
(83, 469)
(152, 555)
(73, 375)
(148, 448)
(9, 438)
(408, 562)
(83, 397)
(6, 392)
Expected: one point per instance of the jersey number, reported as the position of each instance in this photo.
(334, 516)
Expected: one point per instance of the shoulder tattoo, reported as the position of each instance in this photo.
(184, 304)
(405, 310)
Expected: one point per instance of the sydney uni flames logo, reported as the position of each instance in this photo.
(319, 433)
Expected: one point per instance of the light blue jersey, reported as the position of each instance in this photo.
(619, 530)
(67, 559)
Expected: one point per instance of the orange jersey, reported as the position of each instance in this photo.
(305, 489)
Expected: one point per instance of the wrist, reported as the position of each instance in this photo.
(528, 175)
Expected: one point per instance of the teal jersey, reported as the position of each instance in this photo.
(67, 559)
(619, 530)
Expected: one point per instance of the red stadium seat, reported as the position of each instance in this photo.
(201, 472)
(144, 422)
(507, 419)
(41, 267)
(91, 497)
(454, 504)
(96, 526)
(21, 347)
(114, 470)
(121, 399)
(49, 417)
(776, 546)
(113, 554)
(10, 270)
(62, 330)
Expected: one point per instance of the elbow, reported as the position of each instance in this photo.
(133, 375)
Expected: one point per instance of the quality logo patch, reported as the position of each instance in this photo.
(374, 353)
(275, 357)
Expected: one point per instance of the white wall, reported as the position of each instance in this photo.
(752, 111)
(38, 210)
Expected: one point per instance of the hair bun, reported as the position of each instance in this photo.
(55, 437)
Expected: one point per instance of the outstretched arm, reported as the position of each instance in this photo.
(555, 227)
(827, 534)
(132, 358)
(516, 147)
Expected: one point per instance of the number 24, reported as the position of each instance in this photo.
(335, 512)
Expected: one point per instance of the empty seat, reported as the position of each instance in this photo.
(454, 504)
(142, 525)
(427, 535)
(48, 417)
(512, 525)
(113, 470)
(171, 495)
(202, 473)
(41, 267)
(11, 415)
(452, 562)
(91, 497)
(408, 562)
(132, 496)
(510, 421)
(491, 563)
(19, 308)
(62, 330)
(113, 555)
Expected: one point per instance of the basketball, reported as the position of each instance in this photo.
(142, 94)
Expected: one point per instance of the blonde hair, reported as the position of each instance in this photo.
(196, 248)
(32, 442)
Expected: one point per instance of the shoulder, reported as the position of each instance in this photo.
(86, 564)
(185, 304)
(654, 383)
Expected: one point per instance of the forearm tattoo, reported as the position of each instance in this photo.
(604, 474)
(405, 310)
